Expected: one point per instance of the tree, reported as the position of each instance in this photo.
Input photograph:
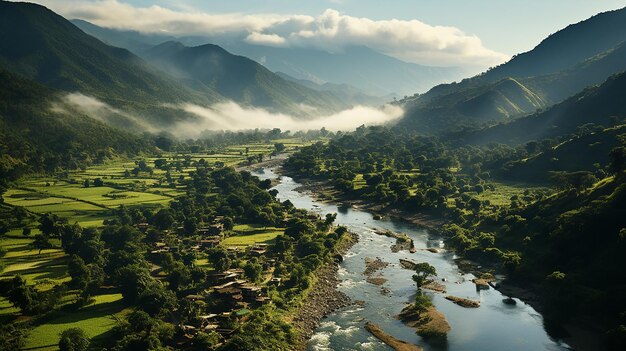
(21, 295)
(423, 271)
(79, 272)
(12, 337)
(280, 147)
(26, 231)
(617, 159)
(4, 227)
(330, 218)
(98, 182)
(73, 339)
(164, 219)
(253, 270)
(86, 183)
(41, 242)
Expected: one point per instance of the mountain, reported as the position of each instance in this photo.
(131, 40)
(557, 68)
(587, 152)
(599, 105)
(40, 45)
(373, 73)
(345, 92)
(34, 137)
(567, 47)
(239, 78)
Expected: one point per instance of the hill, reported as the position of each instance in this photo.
(557, 68)
(40, 45)
(238, 78)
(385, 75)
(35, 137)
(599, 105)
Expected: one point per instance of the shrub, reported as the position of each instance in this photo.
(73, 339)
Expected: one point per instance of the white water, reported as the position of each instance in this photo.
(494, 326)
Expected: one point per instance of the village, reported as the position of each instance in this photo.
(227, 297)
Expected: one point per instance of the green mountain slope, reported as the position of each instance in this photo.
(475, 106)
(238, 78)
(34, 136)
(562, 65)
(40, 45)
(598, 105)
(587, 152)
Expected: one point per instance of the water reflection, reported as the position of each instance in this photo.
(496, 325)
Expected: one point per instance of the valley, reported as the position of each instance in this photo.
(224, 176)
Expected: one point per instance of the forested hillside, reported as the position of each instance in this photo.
(560, 66)
(238, 78)
(36, 138)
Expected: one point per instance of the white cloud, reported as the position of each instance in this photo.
(96, 109)
(232, 116)
(266, 39)
(228, 116)
(412, 40)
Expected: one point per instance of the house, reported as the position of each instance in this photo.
(193, 297)
(257, 251)
(143, 226)
(209, 243)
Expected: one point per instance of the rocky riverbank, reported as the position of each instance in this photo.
(323, 191)
(429, 323)
(322, 298)
(397, 345)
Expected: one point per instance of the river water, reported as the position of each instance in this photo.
(493, 326)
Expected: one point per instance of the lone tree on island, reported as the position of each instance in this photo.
(423, 271)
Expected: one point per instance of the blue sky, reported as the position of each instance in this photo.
(503, 25)
(477, 33)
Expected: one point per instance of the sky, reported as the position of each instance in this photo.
(433, 32)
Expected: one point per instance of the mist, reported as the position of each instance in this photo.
(232, 116)
(101, 111)
(226, 116)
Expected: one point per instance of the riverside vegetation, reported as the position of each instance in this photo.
(175, 250)
(118, 233)
(537, 235)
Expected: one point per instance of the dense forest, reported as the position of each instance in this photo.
(565, 240)
(119, 232)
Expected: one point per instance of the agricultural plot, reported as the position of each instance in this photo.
(95, 319)
(503, 192)
(247, 235)
(68, 197)
(44, 269)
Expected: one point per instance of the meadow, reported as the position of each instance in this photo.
(66, 195)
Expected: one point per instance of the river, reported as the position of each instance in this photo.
(493, 326)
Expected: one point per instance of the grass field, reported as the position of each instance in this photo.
(66, 196)
(95, 319)
(250, 235)
(43, 270)
(501, 196)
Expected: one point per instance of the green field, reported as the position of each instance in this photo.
(501, 196)
(247, 235)
(66, 196)
(44, 270)
(95, 319)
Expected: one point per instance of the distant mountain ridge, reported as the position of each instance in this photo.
(38, 44)
(373, 73)
(345, 92)
(238, 78)
(560, 66)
